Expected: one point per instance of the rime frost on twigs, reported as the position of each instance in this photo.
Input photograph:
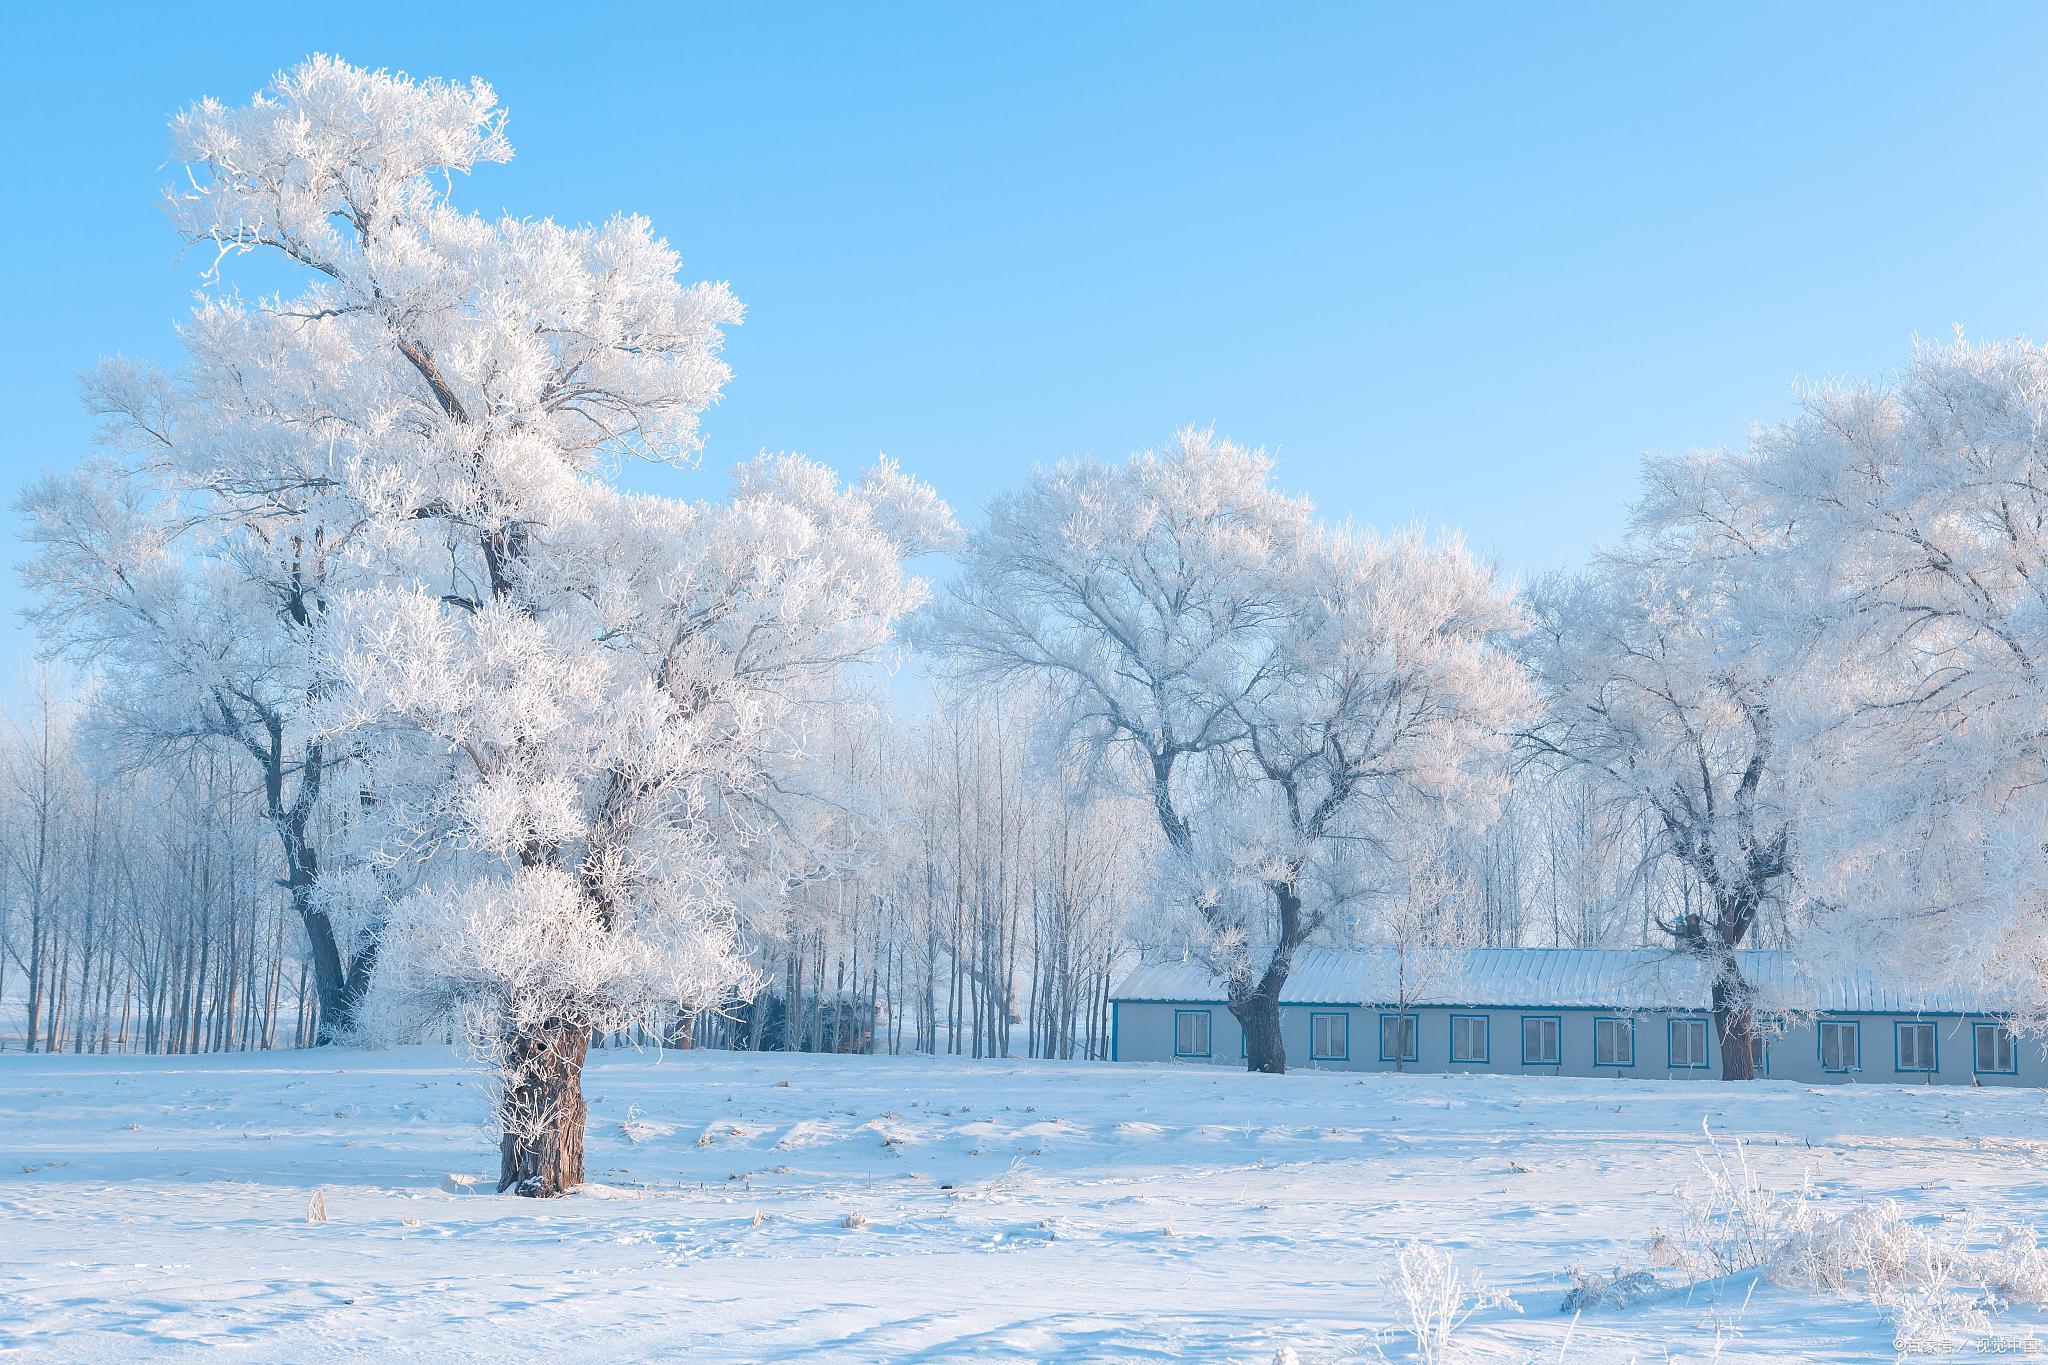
(1437, 1298)
(1291, 697)
(579, 722)
(1939, 1292)
(1618, 1289)
(1885, 550)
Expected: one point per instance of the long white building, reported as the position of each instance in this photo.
(1576, 1012)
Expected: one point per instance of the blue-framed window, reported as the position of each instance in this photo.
(1841, 1045)
(1470, 1038)
(1542, 1039)
(1329, 1037)
(1914, 1047)
(1993, 1050)
(1191, 1033)
(1614, 1042)
(1398, 1038)
(1686, 1043)
(1759, 1054)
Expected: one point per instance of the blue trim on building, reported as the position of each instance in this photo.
(1899, 1027)
(1820, 1052)
(1114, 1007)
(1557, 1037)
(2012, 1050)
(1671, 1061)
(1511, 1008)
(1414, 1037)
(1626, 1023)
(1485, 1040)
(1344, 1055)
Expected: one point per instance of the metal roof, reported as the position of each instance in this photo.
(1555, 978)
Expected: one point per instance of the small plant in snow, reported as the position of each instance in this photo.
(1929, 1309)
(1729, 1220)
(1592, 1291)
(853, 1222)
(316, 1207)
(1937, 1293)
(639, 1130)
(1439, 1298)
(2017, 1270)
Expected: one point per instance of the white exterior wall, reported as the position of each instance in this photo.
(1144, 1031)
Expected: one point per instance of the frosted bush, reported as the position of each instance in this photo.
(1729, 1220)
(2017, 1269)
(1439, 1298)
(1938, 1294)
(1592, 1291)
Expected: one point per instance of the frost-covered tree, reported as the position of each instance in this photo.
(1663, 682)
(1292, 697)
(568, 706)
(1913, 517)
(190, 563)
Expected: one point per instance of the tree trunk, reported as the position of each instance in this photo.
(1734, 1026)
(1258, 1014)
(682, 1031)
(1256, 1004)
(541, 1154)
(1716, 945)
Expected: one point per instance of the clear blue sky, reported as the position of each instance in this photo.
(1456, 264)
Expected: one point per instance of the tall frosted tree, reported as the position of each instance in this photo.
(1663, 684)
(1293, 698)
(566, 706)
(191, 562)
(1912, 517)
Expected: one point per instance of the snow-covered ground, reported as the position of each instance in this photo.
(858, 1208)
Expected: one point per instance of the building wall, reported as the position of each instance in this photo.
(1144, 1031)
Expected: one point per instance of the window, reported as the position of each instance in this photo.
(1688, 1040)
(1397, 1038)
(1539, 1039)
(1759, 1056)
(1841, 1047)
(1994, 1050)
(1329, 1037)
(1916, 1047)
(1614, 1042)
(1468, 1038)
(1191, 1033)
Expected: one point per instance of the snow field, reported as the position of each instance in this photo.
(757, 1207)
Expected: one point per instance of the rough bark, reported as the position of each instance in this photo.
(541, 1153)
(1258, 1014)
(1256, 1004)
(1734, 1025)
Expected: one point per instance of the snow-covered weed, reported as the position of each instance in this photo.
(1729, 1220)
(638, 1130)
(1938, 1293)
(1439, 1298)
(316, 1207)
(1592, 1291)
(2016, 1270)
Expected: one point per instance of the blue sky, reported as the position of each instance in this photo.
(1457, 264)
